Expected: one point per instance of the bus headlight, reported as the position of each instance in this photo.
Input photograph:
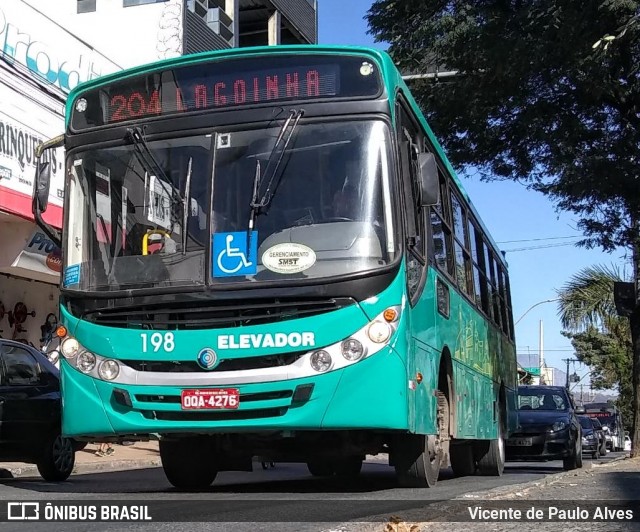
(69, 347)
(379, 332)
(321, 361)
(108, 370)
(86, 361)
(352, 349)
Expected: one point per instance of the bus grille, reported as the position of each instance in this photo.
(210, 314)
(226, 415)
(231, 364)
(244, 398)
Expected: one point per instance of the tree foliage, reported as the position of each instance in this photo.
(601, 339)
(547, 93)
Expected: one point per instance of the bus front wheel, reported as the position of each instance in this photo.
(418, 458)
(188, 463)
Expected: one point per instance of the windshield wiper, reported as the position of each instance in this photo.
(151, 166)
(258, 205)
(185, 206)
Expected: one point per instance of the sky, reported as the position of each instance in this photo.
(523, 219)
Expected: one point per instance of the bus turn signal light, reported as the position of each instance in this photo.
(61, 331)
(390, 315)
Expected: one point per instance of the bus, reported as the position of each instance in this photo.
(267, 254)
(610, 417)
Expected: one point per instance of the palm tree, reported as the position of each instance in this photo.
(587, 299)
(601, 338)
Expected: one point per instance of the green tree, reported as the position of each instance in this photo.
(547, 93)
(601, 339)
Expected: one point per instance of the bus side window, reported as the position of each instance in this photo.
(409, 143)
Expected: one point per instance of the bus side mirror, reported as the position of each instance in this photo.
(429, 182)
(42, 184)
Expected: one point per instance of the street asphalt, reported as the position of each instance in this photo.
(285, 498)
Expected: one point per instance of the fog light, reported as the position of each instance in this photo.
(379, 332)
(69, 347)
(108, 370)
(321, 361)
(86, 361)
(352, 349)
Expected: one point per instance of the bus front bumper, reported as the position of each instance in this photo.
(371, 394)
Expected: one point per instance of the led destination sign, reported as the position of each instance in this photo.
(224, 84)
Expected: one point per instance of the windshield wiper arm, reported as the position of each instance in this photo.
(268, 194)
(151, 166)
(265, 200)
(254, 197)
(185, 206)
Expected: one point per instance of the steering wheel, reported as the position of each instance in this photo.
(338, 219)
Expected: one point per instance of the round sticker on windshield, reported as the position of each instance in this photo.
(288, 258)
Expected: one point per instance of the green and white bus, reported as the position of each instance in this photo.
(267, 254)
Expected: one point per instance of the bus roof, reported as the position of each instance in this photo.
(391, 75)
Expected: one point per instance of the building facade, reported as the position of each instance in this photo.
(150, 30)
(46, 49)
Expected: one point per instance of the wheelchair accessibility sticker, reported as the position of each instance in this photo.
(231, 256)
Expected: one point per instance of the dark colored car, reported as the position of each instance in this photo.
(602, 437)
(30, 412)
(590, 440)
(548, 427)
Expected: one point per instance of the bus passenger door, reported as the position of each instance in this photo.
(420, 358)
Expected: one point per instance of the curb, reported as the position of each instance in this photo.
(514, 490)
(30, 470)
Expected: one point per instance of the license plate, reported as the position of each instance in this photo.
(520, 442)
(217, 399)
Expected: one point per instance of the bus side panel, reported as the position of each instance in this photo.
(483, 360)
(379, 387)
(425, 402)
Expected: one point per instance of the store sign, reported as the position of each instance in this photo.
(51, 54)
(40, 254)
(17, 148)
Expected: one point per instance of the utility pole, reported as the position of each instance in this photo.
(568, 380)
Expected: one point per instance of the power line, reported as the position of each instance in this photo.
(537, 239)
(559, 245)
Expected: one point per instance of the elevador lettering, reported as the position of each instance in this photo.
(256, 341)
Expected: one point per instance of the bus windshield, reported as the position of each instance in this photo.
(176, 211)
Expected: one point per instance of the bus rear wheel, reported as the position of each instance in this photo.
(188, 463)
(490, 454)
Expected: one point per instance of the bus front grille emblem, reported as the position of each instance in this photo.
(207, 358)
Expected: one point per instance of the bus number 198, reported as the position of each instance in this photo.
(158, 341)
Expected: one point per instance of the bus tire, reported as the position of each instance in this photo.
(348, 467)
(320, 468)
(187, 463)
(462, 460)
(490, 454)
(419, 457)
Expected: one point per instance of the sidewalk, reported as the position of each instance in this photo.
(136, 456)
(586, 488)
